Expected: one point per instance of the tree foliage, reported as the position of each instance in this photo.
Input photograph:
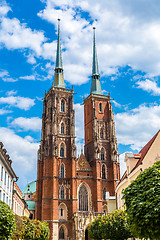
(142, 199)
(112, 226)
(28, 229)
(7, 221)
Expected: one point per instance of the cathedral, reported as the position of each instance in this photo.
(72, 191)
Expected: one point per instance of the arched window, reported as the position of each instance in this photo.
(103, 172)
(62, 193)
(62, 150)
(62, 128)
(100, 107)
(61, 233)
(62, 105)
(101, 134)
(83, 199)
(102, 155)
(104, 194)
(62, 212)
(62, 171)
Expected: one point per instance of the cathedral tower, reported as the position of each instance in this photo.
(100, 140)
(57, 151)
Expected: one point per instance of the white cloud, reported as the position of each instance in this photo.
(79, 126)
(4, 8)
(31, 77)
(11, 93)
(136, 127)
(19, 102)
(22, 152)
(4, 75)
(122, 164)
(33, 123)
(149, 86)
(4, 111)
(124, 35)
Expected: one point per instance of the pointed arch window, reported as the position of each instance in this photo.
(103, 172)
(62, 128)
(62, 193)
(61, 233)
(102, 155)
(62, 171)
(83, 199)
(62, 150)
(104, 194)
(100, 107)
(62, 105)
(101, 134)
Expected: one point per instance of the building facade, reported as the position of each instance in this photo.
(20, 207)
(71, 192)
(136, 163)
(7, 177)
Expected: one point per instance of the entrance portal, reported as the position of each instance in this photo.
(86, 235)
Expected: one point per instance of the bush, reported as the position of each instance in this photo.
(142, 199)
(7, 221)
(113, 226)
(28, 229)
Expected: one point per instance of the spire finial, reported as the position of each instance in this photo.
(58, 77)
(96, 85)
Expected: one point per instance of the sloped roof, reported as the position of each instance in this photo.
(30, 188)
(31, 204)
(83, 163)
(144, 151)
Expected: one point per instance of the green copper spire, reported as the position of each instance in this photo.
(58, 76)
(95, 85)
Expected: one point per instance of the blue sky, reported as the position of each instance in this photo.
(128, 46)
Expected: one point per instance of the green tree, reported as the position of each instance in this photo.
(142, 199)
(112, 226)
(7, 221)
(27, 229)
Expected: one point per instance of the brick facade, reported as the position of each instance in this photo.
(58, 186)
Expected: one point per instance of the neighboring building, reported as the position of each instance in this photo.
(7, 177)
(29, 195)
(70, 191)
(19, 205)
(136, 163)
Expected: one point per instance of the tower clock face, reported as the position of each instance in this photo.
(82, 162)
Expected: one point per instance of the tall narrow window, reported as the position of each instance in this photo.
(88, 133)
(61, 212)
(62, 193)
(62, 171)
(8, 182)
(101, 134)
(83, 199)
(3, 197)
(2, 174)
(0, 194)
(62, 150)
(104, 194)
(102, 155)
(61, 233)
(62, 105)
(100, 107)
(11, 186)
(88, 109)
(62, 128)
(103, 172)
(5, 178)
